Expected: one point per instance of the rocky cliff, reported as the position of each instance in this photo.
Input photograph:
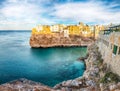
(97, 77)
(52, 40)
(24, 85)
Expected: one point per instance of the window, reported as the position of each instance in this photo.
(115, 49)
(111, 46)
(119, 51)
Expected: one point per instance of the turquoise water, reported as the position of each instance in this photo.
(46, 65)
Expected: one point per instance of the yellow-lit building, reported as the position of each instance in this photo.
(79, 29)
(34, 31)
(86, 32)
(65, 32)
(73, 29)
(98, 28)
(46, 30)
(81, 26)
(41, 29)
(57, 27)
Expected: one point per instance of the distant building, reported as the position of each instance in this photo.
(73, 30)
(39, 28)
(66, 32)
(80, 29)
(57, 27)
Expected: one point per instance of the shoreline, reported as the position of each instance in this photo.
(61, 45)
(28, 82)
(58, 47)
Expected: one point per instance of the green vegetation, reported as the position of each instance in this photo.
(117, 30)
(109, 77)
(104, 68)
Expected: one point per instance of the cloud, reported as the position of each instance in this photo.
(91, 11)
(21, 13)
(25, 14)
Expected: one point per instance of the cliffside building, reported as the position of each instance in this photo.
(80, 30)
(41, 29)
(73, 30)
(66, 32)
(109, 46)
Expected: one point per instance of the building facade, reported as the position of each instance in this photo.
(109, 46)
(80, 30)
(41, 29)
(73, 30)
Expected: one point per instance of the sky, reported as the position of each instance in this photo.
(26, 14)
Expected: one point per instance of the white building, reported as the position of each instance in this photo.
(54, 28)
(57, 28)
(39, 27)
(66, 33)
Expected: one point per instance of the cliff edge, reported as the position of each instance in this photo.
(52, 40)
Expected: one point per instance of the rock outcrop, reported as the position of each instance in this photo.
(24, 85)
(97, 77)
(49, 40)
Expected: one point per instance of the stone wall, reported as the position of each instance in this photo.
(106, 44)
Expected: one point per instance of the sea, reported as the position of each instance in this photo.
(49, 66)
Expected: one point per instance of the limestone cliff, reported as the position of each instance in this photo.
(46, 40)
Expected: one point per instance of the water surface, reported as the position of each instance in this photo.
(46, 65)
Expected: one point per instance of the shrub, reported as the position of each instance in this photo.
(100, 62)
(109, 77)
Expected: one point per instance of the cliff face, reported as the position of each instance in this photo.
(45, 40)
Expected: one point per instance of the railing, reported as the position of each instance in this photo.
(105, 32)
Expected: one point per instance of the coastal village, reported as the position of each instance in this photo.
(79, 29)
(65, 35)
